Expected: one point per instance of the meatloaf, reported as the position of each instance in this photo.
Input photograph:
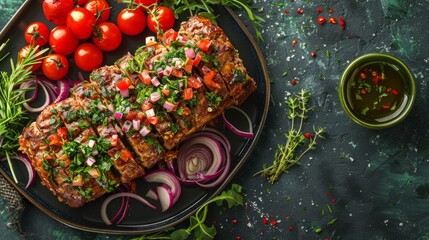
(130, 114)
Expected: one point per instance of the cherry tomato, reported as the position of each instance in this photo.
(36, 33)
(165, 18)
(146, 3)
(81, 22)
(81, 2)
(62, 40)
(55, 66)
(56, 10)
(131, 21)
(88, 57)
(107, 36)
(100, 9)
(23, 53)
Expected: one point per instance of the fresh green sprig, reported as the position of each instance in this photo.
(197, 225)
(286, 155)
(12, 115)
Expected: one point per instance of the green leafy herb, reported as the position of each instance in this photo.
(12, 115)
(197, 226)
(286, 155)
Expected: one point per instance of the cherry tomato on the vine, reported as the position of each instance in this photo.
(56, 10)
(55, 66)
(23, 53)
(81, 2)
(131, 21)
(146, 3)
(107, 36)
(62, 40)
(81, 22)
(88, 57)
(36, 33)
(100, 9)
(165, 17)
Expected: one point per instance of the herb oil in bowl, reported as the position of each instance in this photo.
(377, 90)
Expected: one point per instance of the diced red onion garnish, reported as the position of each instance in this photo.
(190, 53)
(168, 70)
(178, 64)
(150, 39)
(144, 131)
(204, 159)
(155, 96)
(182, 39)
(109, 119)
(106, 202)
(118, 115)
(124, 93)
(150, 113)
(90, 161)
(91, 143)
(127, 126)
(94, 153)
(160, 72)
(169, 106)
(180, 84)
(30, 170)
(127, 110)
(151, 66)
(111, 108)
(100, 106)
(248, 134)
(136, 124)
(167, 178)
(155, 81)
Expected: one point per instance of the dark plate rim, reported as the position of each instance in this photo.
(130, 231)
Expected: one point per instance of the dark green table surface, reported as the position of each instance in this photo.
(374, 183)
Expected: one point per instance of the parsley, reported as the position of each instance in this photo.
(197, 226)
(239, 76)
(213, 99)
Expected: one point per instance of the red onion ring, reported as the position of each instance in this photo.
(106, 202)
(235, 130)
(31, 172)
(44, 105)
(27, 86)
(64, 87)
(168, 178)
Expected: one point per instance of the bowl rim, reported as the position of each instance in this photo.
(380, 57)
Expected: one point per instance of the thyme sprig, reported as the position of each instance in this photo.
(12, 115)
(197, 225)
(287, 155)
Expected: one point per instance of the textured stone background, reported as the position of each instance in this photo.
(375, 183)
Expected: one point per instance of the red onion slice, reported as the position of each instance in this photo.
(231, 127)
(168, 178)
(166, 197)
(45, 103)
(30, 170)
(64, 87)
(106, 202)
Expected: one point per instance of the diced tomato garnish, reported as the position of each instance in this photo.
(153, 120)
(55, 139)
(145, 77)
(170, 36)
(124, 84)
(125, 155)
(194, 83)
(63, 132)
(188, 93)
(204, 44)
(77, 181)
(166, 92)
(114, 140)
(197, 60)
(131, 115)
(177, 73)
(140, 116)
(208, 79)
(146, 106)
(188, 65)
(93, 172)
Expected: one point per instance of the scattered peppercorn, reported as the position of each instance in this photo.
(293, 82)
(234, 221)
(265, 220)
(308, 135)
(300, 11)
(331, 10)
(332, 20)
(286, 11)
(290, 228)
(319, 9)
(294, 42)
(313, 54)
(273, 223)
(333, 200)
(238, 238)
(395, 92)
(342, 23)
(321, 20)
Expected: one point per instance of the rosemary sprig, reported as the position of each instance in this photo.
(12, 115)
(197, 226)
(286, 155)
